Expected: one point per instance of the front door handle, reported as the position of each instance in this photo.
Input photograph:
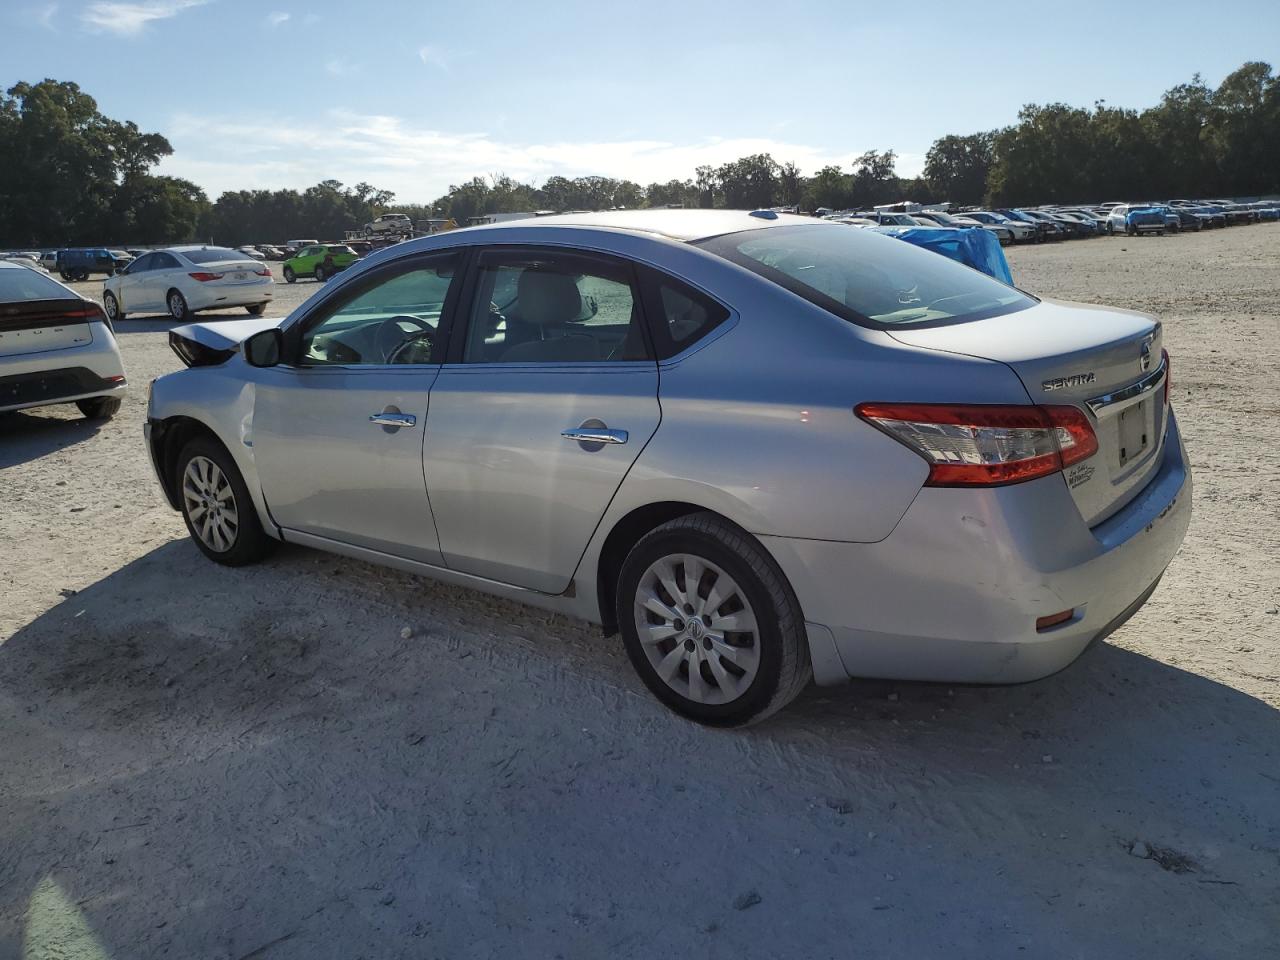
(387, 419)
(595, 435)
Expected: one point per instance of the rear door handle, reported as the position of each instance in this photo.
(394, 419)
(595, 435)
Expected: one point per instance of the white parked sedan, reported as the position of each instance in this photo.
(182, 280)
(55, 347)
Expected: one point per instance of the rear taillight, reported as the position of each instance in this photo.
(205, 277)
(986, 445)
(1168, 375)
(90, 311)
(264, 272)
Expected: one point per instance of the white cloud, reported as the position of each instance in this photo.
(434, 56)
(340, 67)
(277, 17)
(129, 19)
(45, 15)
(420, 164)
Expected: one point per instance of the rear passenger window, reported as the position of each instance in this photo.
(681, 315)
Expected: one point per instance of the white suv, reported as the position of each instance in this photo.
(55, 347)
(390, 223)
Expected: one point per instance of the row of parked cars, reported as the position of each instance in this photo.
(1044, 224)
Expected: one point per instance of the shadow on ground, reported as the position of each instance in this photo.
(31, 434)
(255, 763)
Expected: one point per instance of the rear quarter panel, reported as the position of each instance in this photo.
(758, 421)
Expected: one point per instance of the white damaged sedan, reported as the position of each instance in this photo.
(182, 280)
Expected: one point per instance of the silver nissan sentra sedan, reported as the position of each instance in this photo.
(764, 448)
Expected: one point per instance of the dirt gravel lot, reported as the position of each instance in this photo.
(203, 762)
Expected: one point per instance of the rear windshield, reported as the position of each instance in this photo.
(21, 283)
(212, 255)
(868, 278)
(341, 250)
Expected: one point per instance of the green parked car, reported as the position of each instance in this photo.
(320, 260)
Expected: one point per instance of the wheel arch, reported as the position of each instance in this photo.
(168, 437)
(625, 534)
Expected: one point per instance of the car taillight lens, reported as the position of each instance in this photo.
(205, 277)
(1168, 375)
(264, 272)
(986, 445)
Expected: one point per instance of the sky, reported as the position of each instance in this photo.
(415, 95)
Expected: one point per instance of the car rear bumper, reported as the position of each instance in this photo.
(953, 594)
(90, 370)
(62, 385)
(239, 295)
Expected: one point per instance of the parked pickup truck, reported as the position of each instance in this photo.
(1137, 219)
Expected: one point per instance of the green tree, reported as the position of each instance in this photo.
(829, 188)
(1244, 132)
(874, 179)
(63, 163)
(956, 167)
(750, 183)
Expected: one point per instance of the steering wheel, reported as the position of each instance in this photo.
(390, 339)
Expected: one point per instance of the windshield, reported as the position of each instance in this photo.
(212, 255)
(868, 278)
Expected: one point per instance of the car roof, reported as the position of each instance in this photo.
(685, 225)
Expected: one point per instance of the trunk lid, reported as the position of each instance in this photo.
(1104, 361)
(234, 272)
(35, 326)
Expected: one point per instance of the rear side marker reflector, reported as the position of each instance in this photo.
(1044, 623)
(986, 445)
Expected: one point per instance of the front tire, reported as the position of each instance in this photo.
(216, 506)
(710, 622)
(99, 408)
(178, 306)
(289, 275)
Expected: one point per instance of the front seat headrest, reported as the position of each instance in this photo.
(547, 298)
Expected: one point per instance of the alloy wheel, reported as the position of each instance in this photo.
(697, 629)
(210, 504)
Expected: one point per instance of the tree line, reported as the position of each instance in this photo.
(75, 176)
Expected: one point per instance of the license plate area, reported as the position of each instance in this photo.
(1136, 431)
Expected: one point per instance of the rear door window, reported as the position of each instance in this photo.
(534, 306)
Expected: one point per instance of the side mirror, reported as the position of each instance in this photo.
(264, 348)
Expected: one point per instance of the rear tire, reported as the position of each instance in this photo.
(749, 650)
(216, 506)
(257, 309)
(99, 408)
(320, 275)
(112, 306)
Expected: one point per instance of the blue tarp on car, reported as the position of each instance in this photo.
(974, 248)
